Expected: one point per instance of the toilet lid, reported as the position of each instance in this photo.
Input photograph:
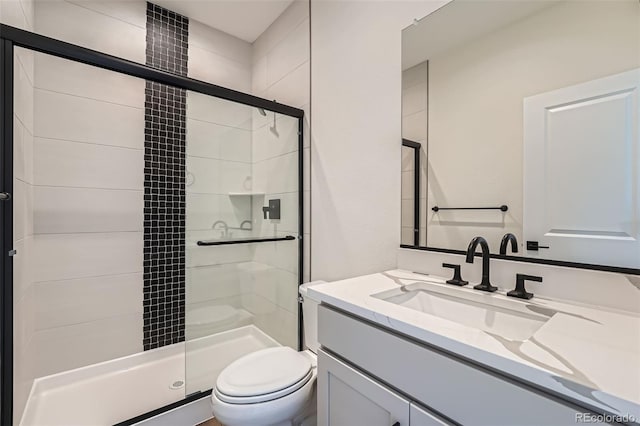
(264, 372)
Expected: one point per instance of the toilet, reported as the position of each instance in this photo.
(273, 386)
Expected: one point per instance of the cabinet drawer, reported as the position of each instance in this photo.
(347, 397)
(464, 393)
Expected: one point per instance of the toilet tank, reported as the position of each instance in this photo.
(310, 317)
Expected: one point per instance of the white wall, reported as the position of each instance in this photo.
(88, 194)
(482, 84)
(356, 131)
(19, 13)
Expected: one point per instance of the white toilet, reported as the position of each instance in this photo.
(274, 386)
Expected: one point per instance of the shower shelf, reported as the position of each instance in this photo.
(245, 241)
(246, 194)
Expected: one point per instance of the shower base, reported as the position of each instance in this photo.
(120, 389)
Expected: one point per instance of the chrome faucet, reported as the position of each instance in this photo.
(485, 284)
(225, 227)
(508, 237)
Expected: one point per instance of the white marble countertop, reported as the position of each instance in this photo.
(586, 354)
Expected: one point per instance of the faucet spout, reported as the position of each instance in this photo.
(508, 238)
(485, 284)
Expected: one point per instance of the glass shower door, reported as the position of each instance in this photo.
(242, 228)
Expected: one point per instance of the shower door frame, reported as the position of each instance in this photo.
(11, 37)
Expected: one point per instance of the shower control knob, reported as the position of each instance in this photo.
(5, 196)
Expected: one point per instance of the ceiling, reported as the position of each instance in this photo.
(461, 21)
(244, 19)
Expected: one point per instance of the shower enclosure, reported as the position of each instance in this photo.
(151, 233)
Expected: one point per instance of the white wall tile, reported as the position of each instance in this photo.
(277, 175)
(67, 302)
(133, 12)
(74, 78)
(89, 28)
(19, 157)
(23, 152)
(415, 75)
(215, 282)
(279, 254)
(407, 185)
(306, 252)
(23, 96)
(407, 213)
(278, 286)
(268, 144)
(414, 126)
(215, 255)
(307, 208)
(29, 10)
(212, 140)
(67, 210)
(22, 267)
(64, 163)
(414, 100)
(216, 69)
(213, 40)
(65, 348)
(290, 53)
(27, 59)
(68, 256)
(22, 209)
(206, 177)
(293, 88)
(214, 110)
(205, 209)
(24, 324)
(281, 27)
(12, 13)
(259, 77)
(407, 235)
(73, 118)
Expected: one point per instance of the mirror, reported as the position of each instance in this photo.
(527, 115)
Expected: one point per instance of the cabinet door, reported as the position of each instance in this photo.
(421, 417)
(346, 397)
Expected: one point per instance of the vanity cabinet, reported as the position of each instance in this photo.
(348, 397)
(370, 375)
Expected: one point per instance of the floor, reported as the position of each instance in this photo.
(117, 390)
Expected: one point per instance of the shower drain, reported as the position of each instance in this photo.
(178, 384)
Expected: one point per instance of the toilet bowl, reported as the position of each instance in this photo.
(273, 386)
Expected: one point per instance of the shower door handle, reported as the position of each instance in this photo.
(5, 196)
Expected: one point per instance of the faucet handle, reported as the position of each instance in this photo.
(457, 277)
(520, 292)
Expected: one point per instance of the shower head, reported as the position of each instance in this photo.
(274, 129)
(262, 112)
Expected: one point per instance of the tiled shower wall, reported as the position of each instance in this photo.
(280, 72)
(87, 245)
(88, 200)
(19, 13)
(218, 165)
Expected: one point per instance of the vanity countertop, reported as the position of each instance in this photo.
(586, 354)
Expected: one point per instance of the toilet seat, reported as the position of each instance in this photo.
(262, 376)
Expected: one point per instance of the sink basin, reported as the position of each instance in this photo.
(467, 309)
